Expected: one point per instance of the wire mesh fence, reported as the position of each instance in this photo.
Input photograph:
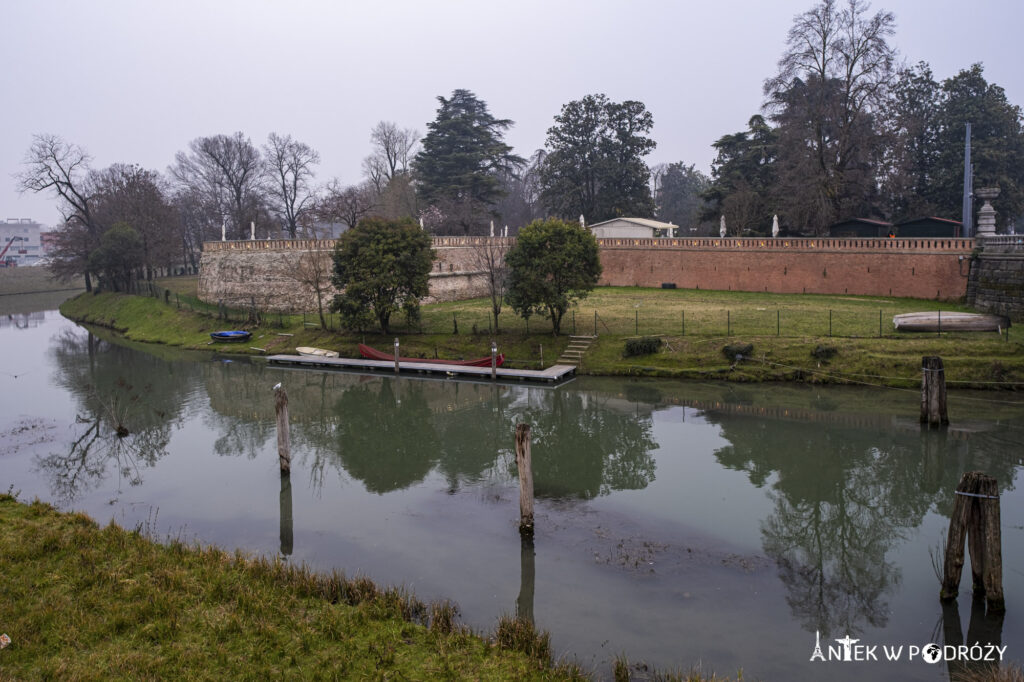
(477, 318)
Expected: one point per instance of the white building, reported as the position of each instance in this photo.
(20, 238)
(633, 228)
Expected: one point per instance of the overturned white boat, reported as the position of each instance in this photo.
(949, 321)
(309, 351)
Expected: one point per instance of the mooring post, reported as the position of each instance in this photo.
(976, 516)
(933, 392)
(542, 356)
(524, 465)
(396, 355)
(494, 360)
(287, 532)
(284, 452)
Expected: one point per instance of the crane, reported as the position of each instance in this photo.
(11, 262)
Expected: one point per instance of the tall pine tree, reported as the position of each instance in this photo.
(462, 155)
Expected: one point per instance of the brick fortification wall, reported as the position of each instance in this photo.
(241, 273)
(997, 277)
(915, 268)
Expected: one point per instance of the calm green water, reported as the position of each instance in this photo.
(678, 523)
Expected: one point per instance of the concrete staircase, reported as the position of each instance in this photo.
(573, 354)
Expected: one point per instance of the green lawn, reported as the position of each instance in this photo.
(694, 326)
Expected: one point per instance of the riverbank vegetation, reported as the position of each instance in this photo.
(806, 338)
(85, 602)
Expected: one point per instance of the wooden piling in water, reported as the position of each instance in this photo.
(396, 356)
(525, 467)
(933, 392)
(975, 517)
(284, 452)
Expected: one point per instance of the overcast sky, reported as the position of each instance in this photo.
(134, 82)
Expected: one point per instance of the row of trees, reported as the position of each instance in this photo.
(382, 267)
(844, 132)
(847, 133)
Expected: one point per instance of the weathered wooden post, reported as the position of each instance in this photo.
(287, 533)
(494, 360)
(527, 578)
(284, 452)
(396, 355)
(933, 392)
(524, 465)
(976, 516)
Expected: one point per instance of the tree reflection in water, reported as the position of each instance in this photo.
(844, 497)
(126, 413)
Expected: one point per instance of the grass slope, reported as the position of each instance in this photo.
(781, 351)
(82, 602)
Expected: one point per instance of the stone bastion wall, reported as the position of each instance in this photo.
(997, 277)
(268, 273)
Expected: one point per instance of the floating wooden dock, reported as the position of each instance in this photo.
(552, 374)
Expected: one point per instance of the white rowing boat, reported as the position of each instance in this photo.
(309, 351)
(948, 321)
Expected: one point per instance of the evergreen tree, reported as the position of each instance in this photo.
(678, 195)
(461, 157)
(997, 145)
(743, 178)
(595, 164)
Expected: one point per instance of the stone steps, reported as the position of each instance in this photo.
(573, 354)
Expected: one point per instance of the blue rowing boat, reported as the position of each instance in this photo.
(231, 335)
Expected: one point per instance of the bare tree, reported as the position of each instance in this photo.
(313, 270)
(346, 205)
(136, 196)
(290, 171)
(227, 173)
(393, 148)
(54, 165)
(489, 257)
(832, 81)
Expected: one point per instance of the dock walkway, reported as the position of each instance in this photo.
(551, 374)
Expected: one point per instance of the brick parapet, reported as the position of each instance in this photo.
(236, 272)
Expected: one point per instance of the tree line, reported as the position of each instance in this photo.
(844, 132)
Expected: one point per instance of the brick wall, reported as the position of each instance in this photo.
(243, 272)
(916, 268)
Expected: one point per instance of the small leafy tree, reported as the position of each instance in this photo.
(381, 266)
(120, 255)
(553, 265)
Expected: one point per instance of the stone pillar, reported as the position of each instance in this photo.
(987, 214)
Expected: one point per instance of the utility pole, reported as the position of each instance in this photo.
(968, 207)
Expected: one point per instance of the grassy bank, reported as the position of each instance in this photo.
(84, 602)
(859, 350)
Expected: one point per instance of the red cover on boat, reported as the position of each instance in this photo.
(374, 354)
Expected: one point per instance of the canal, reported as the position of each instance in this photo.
(724, 525)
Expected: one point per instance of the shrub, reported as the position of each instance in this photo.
(645, 345)
(738, 351)
(824, 353)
